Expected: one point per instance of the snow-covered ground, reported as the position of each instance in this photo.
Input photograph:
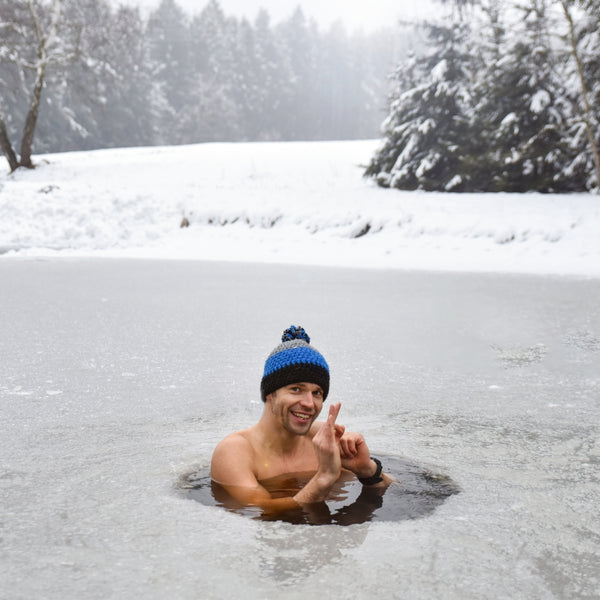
(295, 203)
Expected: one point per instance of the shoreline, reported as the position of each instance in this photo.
(134, 256)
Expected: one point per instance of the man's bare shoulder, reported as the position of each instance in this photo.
(233, 460)
(238, 441)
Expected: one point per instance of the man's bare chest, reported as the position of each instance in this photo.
(269, 464)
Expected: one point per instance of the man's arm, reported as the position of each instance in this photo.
(326, 446)
(232, 467)
(357, 458)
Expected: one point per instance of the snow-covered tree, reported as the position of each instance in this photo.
(32, 43)
(273, 75)
(102, 98)
(168, 40)
(14, 43)
(494, 108)
(127, 113)
(246, 81)
(115, 78)
(427, 131)
(299, 36)
(523, 112)
(95, 87)
(583, 42)
(212, 112)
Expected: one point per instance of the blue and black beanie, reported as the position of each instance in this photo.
(294, 361)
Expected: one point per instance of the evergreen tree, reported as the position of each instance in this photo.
(88, 103)
(128, 116)
(338, 92)
(273, 82)
(212, 113)
(487, 111)
(428, 125)
(116, 79)
(299, 36)
(167, 36)
(521, 114)
(246, 83)
(582, 41)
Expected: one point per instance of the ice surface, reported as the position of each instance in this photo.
(119, 376)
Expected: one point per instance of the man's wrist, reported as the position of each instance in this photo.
(368, 471)
(375, 475)
(316, 490)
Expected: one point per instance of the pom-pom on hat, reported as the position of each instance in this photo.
(294, 361)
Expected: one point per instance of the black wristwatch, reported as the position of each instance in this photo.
(376, 477)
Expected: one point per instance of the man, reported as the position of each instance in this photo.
(288, 439)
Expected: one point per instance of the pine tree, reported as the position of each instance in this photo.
(497, 112)
(582, 40)
(299, 36)
(273, 79)
(115, 79)
(128, 115)
(101, 100)
(245, 84)
(428, 122)
(522, 114)
(340, 96)
(168, 38)
(212, 113)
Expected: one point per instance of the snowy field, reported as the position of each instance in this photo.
(294, 203)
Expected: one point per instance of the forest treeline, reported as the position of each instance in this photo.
(505, 95)
(506, 98)
(114, 77)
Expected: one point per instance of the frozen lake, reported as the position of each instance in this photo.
(118, 377)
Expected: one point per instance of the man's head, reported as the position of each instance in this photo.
(294, 361)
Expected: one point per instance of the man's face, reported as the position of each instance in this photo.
(297, 406)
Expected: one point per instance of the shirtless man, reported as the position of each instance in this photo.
(288, 439)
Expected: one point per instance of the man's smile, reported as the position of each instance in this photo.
(303, 416)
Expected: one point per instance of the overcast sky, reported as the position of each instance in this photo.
(365, 14)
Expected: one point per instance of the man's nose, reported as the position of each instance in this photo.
(307, 399)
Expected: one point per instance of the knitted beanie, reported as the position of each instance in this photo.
(294, 361)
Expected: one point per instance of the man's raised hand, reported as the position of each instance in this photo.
(326, 445)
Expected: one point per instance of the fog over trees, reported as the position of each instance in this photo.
(106, 76)
(498, 95)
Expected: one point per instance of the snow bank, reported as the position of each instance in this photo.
(297, 203)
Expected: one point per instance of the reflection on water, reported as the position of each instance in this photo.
(415, 492)
(289, 554)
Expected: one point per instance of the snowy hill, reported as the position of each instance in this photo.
(304, 203)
